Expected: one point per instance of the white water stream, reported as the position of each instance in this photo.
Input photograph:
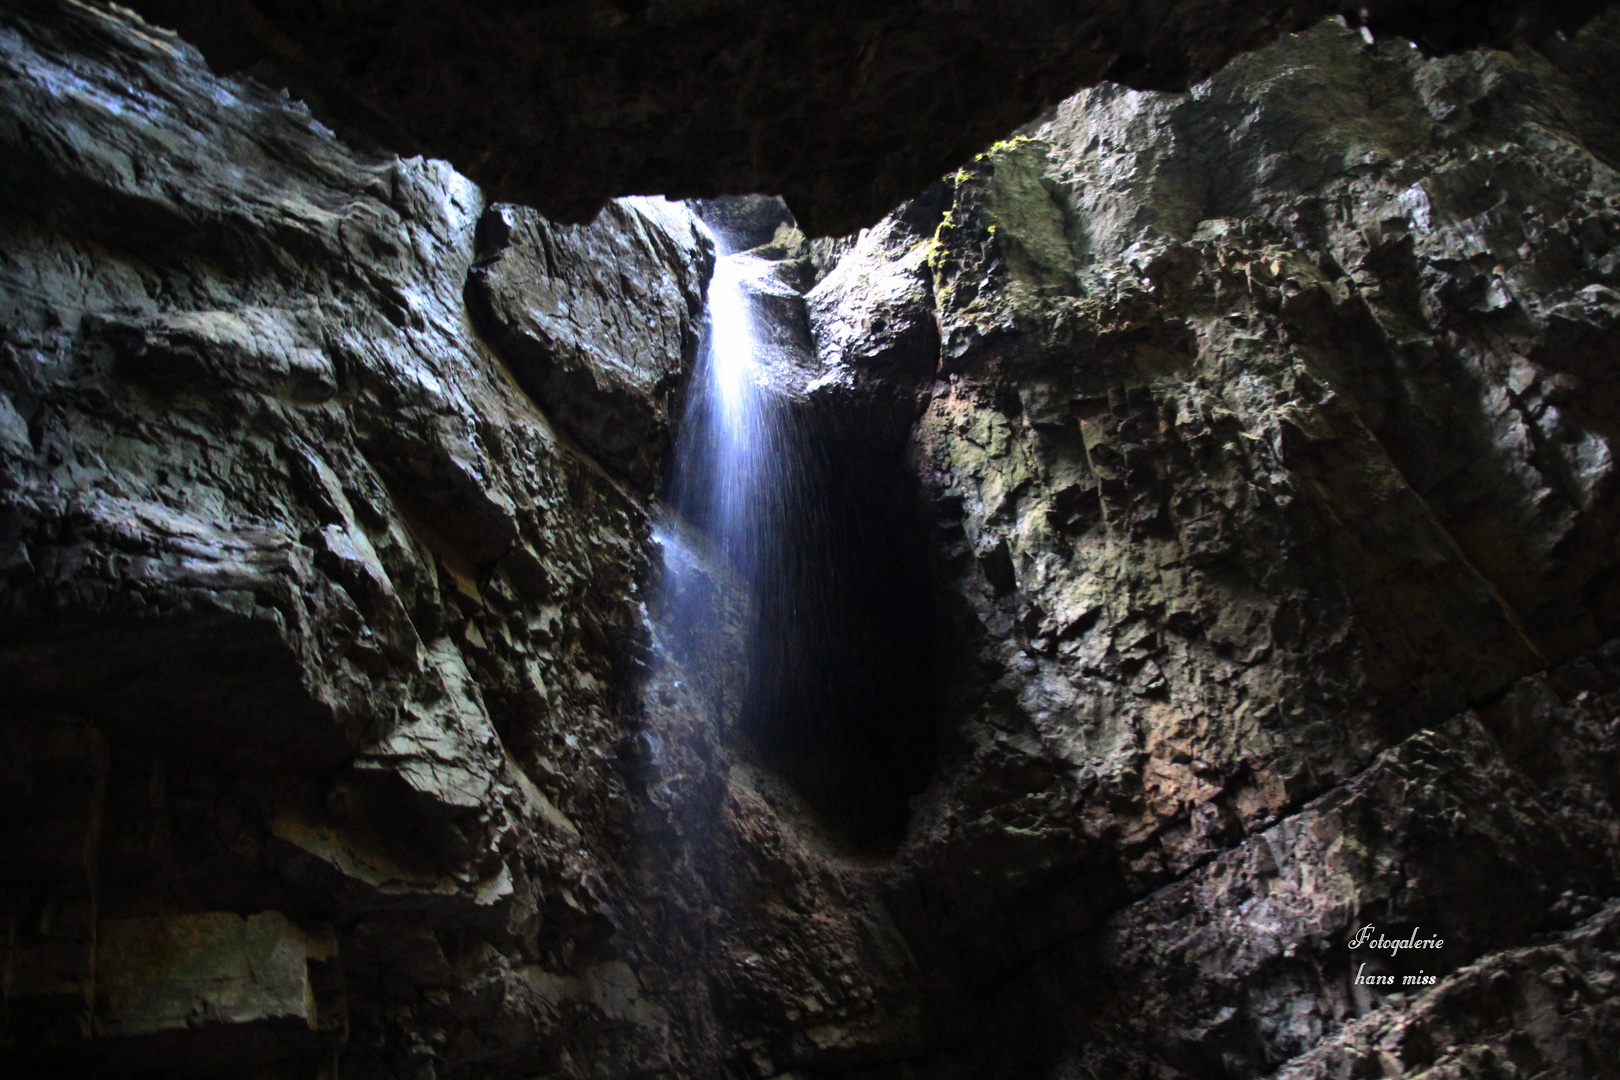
(735, 467)
(788, 595)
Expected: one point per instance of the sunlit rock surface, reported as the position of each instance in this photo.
(599, 322)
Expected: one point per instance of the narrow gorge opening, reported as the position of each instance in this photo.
(837, 636)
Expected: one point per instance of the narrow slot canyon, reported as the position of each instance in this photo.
(815, 520)
(1102, 565)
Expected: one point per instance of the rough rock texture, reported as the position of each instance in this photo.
(1271, 434)
(844, 109)
(598, 322)
(336, 734)
(1543, 1010)
(1238, 462)
(311, 617)
(877, 338)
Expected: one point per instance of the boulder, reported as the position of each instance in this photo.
(599, 323)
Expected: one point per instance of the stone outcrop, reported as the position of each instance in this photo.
(312, 617)
(1269, 447)
(877, 338)
(598, 322)
(844, 110)
(1544, 1007)
(1212, 492)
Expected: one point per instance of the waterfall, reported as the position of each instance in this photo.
(728, 494)
(787, 588)
(736, 464)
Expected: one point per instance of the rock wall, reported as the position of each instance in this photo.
(845, 109)
(316, 628)
(1250, 449)
(1269, 453)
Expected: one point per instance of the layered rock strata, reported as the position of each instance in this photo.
(316, 627)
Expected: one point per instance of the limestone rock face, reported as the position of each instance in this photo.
(844, 109)
(598, 322)
(877, 338)
(1271, 436)
(310, 614)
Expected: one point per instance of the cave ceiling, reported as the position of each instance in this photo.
(843, 108)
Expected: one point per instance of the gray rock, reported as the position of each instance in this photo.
(877, 340)
(340, 604)
(1548, 1006)
(1247, 483)
(600, 322)
(844, 111)
(1231, 469)
(188, 990)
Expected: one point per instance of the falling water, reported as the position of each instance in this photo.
(815, 663)
(727, 495)
(736, 462)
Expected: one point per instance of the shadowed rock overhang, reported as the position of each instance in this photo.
(845, 109)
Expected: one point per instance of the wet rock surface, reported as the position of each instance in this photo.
(1238, 463)
(844, 110)
(1251, 475)
(312, 618)
(598, 322)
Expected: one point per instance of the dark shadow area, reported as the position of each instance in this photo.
(819, 521)
(841, 696)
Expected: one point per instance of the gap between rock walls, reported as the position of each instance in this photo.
(817, 526)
